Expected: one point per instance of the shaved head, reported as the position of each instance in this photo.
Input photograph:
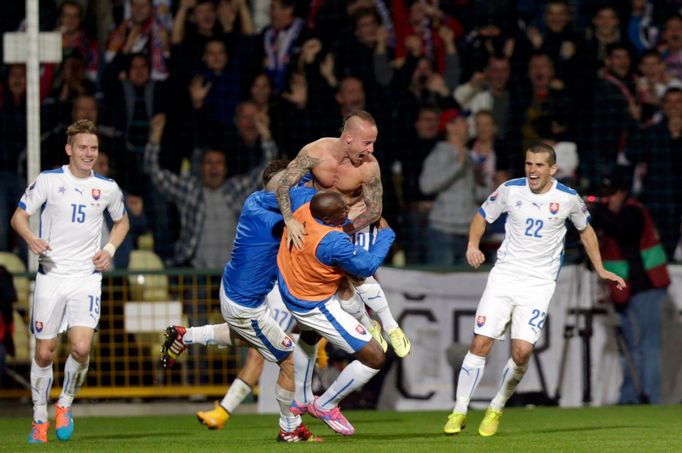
(329, 207)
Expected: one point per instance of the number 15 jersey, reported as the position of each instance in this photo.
(71, 216)
(535, 229)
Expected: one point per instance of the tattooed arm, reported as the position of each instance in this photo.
(297, 168)
(372, 192)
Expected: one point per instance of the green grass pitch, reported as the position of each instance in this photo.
(606, 429)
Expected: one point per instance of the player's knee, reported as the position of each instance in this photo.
(80, 350)
(44, 357)
(521, 355)
(372, 355)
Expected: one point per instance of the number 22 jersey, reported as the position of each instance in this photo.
(535, 229)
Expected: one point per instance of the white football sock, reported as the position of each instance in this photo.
(374, 297)
(356, 308)
(511, 376)
(469, 376)
(305, 356)
(41, 383)
(235, 395)
(287, 421)
(210, 334)
(74, 376)
(354, 376)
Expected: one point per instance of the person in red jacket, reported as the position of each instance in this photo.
(631, 248)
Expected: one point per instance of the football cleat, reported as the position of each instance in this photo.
(214, 419)
(332, 417)
(375, 331)
(455, 424)
(63, 422)
(298, 408)
(490, 422)
(38, 433)
(300, 434)
(401, 344)
(172, 346)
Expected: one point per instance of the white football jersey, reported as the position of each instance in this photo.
(71, 217)
(533, 243)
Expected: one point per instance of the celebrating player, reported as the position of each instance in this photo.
(523, 279)
(248, 278)
(346, 164)
(71, 201)
(309, 279)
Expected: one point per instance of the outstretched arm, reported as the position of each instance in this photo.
(372, 192)
(589, 239)
(297, 168)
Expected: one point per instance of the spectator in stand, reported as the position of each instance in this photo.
(216, 89)
(643, 31)
(75, 39)
(487, 90)
(135, 209)
(556, 38)
(616, 114)
(415, 145)
(631, 248)
(659, 148)
(420, 26)
(651, 86)
(489, 157)
(208, 201)
(140, 33)
(491, 38)
(540, 104)
(69, 83)
(448, 174)
(604, 32)
(280, 43)
(13, 133)
(247, 139)
(198, 21)
(130, 105)
(672, 50)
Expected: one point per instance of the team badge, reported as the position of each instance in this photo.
(554, 208)
(361, 330)
(96, 193)
(287, 343)
(39, 326)
(480, 321)
(493, 197)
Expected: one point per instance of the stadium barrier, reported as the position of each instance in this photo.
(436, 309)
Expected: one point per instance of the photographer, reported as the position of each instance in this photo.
(631, 248)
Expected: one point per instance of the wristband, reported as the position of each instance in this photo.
(111, 248)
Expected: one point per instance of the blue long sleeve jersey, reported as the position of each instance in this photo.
(250, 275)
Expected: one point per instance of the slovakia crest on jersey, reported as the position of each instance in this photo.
(554, 208)
(287, 343)
(96, 193)
(361, 330)
(480, 321)
(493, 197)
(39, 326)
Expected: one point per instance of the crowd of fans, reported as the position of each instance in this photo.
(192, 97)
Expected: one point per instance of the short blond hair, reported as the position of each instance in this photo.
(80, 127)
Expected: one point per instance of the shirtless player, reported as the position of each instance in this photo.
(346, 164)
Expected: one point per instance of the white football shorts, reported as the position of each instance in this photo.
(507, 298)
(337, 326)
(365, 238)
(258, 327)
(63, 302)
